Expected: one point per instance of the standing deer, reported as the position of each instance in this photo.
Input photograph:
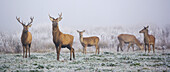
(88, 41)
(127, 38)
(61, 40)
(26, 37)
(148, 39)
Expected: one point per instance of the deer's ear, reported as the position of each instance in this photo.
(29, 25)
(147, 27)
(83, 31)
(51, 18)
(78, 31)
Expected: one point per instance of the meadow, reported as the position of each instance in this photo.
(106, 61)
(44, 59)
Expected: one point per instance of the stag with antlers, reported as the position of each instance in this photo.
(61, 40)
(26, 37)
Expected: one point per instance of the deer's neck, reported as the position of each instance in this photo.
(146, 37)
(146, 34)
(81, 39)
(24, 35)
(56, 30)
(138, 43)
(56, 34)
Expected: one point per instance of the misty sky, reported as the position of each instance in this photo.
(78, 13)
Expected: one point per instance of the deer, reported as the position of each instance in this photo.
(26, 37)
(88, 41)
(130, 39)
(60, 39)
(148, 39)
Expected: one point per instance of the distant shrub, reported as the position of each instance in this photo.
(42, 38)
(9, 44)
(103, 44)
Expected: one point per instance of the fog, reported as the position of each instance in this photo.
(80, 14)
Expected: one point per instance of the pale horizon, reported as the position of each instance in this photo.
(84, 13)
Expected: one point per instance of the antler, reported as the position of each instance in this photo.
(60, 16)
(49, 15)
(19, 20)
(31, 20)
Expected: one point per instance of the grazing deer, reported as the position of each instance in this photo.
(148, 39)
(88, 41)
(127, 38)
(61, 40)
(26, 37)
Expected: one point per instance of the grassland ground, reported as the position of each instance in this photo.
(105, 61)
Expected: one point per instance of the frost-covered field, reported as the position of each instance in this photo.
(43, 56)
(42, 37)
(105, 61)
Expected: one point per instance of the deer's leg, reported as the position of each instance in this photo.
(128, 47)
(145, 48)
(98, 49)
(29, 49)
(118, 47)
(73, 53)
(26, 50)
(132, 46)
(58, 54)
(153, 46)
(85, 49)
(71, 50)
(122, 44)
(57, 50)
(23, 51)
(149, 49)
